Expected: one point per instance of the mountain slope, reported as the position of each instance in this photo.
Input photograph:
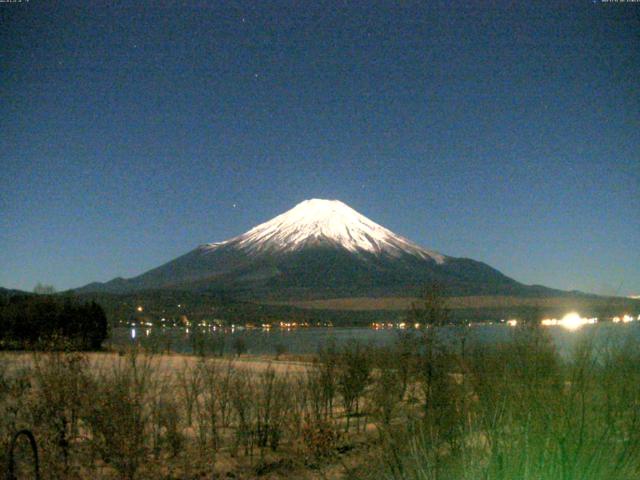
(319, 248)
(6, 293)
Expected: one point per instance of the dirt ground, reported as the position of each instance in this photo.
(173, 362)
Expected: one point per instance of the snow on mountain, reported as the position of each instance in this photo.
(318, 221)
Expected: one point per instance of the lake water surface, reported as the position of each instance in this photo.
(309, 340)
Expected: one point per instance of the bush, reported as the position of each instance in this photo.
(118, 418)
(354, 370)
(280, 350)
(387, 386)
(239, 346)
(61, 381)
(320, 438)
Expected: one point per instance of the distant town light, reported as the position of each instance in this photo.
(140, 309)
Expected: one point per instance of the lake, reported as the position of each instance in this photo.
(308, 340)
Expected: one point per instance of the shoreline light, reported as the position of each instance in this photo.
(571, 321)
(624, 319)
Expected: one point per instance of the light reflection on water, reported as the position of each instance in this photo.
(308, 340)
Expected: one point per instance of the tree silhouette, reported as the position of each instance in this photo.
(32, 320)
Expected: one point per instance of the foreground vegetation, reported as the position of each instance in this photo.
(419, 409)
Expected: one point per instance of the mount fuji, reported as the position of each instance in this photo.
(318, 249)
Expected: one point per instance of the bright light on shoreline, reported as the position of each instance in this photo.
(571, 321)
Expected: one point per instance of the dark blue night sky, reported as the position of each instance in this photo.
(505, 132)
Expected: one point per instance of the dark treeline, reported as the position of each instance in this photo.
(121, 308)
(29, 321)
(208, 306)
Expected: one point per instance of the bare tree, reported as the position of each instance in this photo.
(42, 289)
(430, 309)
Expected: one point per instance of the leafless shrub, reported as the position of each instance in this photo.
(327, 366)
(300, 403)
(225, 384)
(314, 388)
(213, 399)
(270, 402)
(242, 397)
(239, 346)
(353, 376)
(387, 384)
(118, 419)
(321, 438)
(190, 384)
(402, 358)
(61, 382)
(166, 426)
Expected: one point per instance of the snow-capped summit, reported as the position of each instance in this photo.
(331, 222)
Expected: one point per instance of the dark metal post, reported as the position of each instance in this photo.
(34, 448)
